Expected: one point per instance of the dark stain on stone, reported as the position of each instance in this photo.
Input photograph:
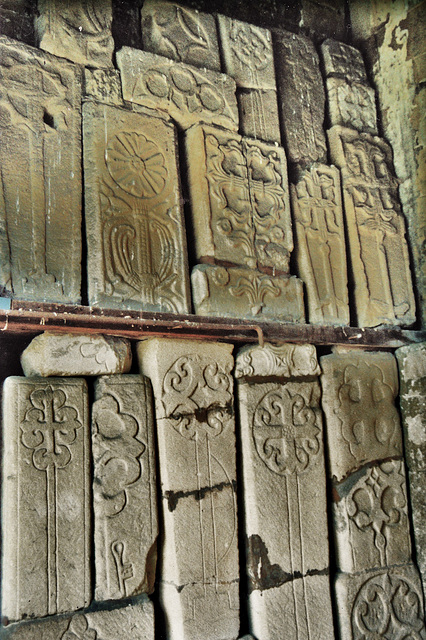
(173, 497)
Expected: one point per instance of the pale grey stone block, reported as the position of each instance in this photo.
(351, 105)
(57, 354)
(343, 61)
(278, 360)
(103, 85)
(259, 117)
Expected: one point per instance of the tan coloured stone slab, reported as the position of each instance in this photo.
(40, 194)
(278, 360)
(54, 354)
(189, 95)
(301, 98)
(320, 249)
(362, 422)
(180, 33)
(124, 487)
(351, 105)
(417, 482)
(412, 401)
(136, 621)
(79, 31)
(246, 293)
(259, 117)
(371, 526)
(134, 219)
(46, 496)
(240, 199)
(388, 602)
(376, 228)
(343, 61)
(103, 85)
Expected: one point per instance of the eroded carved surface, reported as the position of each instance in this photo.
(103, 85)
(351, 105)
(259, 117)
(343, 61)
(284, 361)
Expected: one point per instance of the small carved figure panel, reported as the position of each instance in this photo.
(46, 496)
(279, 360)
(180, 33)
(320, 247)
(40, 187)
(134, 220)
(343, 61)
(376, 228)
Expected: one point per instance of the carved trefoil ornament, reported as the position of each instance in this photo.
(134, 219)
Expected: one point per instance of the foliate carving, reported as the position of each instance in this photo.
(188, 95)
(351, 105)
(80, 32)
(180, 33)
(135, 226)
(378, 249)
(40, 155)
(284, 361)
(320, 248)
(342, 60)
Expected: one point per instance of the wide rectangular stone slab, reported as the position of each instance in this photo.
(189, 95)
(124, 487)
(286, 361)
(134, 219)
(351, 105)
(378, 251)
(359, 390)
(40, 155)
(46, 497)
(246, 293)
(320, 248)
(61, 354)
(180, 33)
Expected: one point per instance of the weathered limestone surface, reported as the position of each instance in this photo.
(124, 487)
(371, 526)
(103, 85)
(135, 621)
(418, 514)
(46, 496)
(53, 354)
(189, 95)
(246, 293)
(387, 602)
(320, 249)
(343, 61)
(240, 199)
(351, 105)
(79, 31)
(301, 98)
(259, 116)
(376, 228)
(134, 219)
(40, 193)
(180, 33)
(359, 390)
(283, 360)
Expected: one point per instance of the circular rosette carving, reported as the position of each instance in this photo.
(285, 433)
(136, 165)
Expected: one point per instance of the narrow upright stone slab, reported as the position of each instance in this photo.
(343, 61)
(124, 487)
(351, 105)
(180, 33)
(189, 95)
(277, 360)
(40, 193)
(134, 219)
(320, 247)
(417, 481)
(46, 496)
(301, 98)
(259, 116)
(376, 228)
(79, 30)
(55, 354)
(359, 389)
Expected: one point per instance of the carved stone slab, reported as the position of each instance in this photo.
(135, 621)
(417, 480)
(285, 505)
(351, 105)
(283, 361)
(320, 248)
(134, 220)
(412, 401)
(103, 85)
(246, 293)
(247, 53)
(53, 354)
(371, 526)
(240, 199)
(301, 98)
(183, 34)
(40, 193)
(79, 31)
(189, 95)
(46, 497)
(259, 114)
(124, 487)
(376, 228)
(387, 602)
(343, 61)
(362, 422)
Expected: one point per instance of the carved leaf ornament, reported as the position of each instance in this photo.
(172, 19)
